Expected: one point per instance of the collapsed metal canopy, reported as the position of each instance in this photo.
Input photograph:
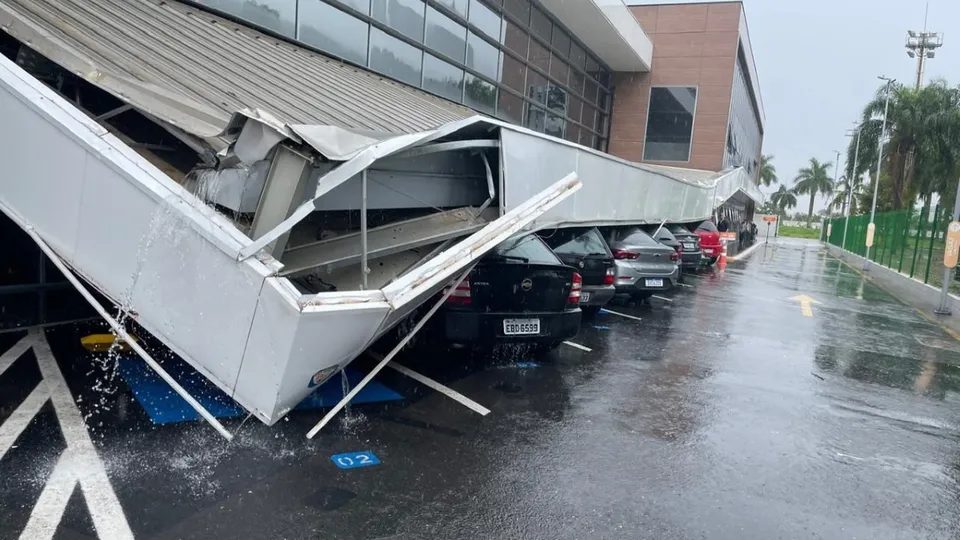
(193, 69)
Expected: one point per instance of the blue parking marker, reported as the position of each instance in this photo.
(601, 327)
(524, 365)
(354, 460)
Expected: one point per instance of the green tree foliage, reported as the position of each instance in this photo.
(812, 180)
(767, 175)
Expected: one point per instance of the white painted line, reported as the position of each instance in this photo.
(47, 513)
(665, 299)
(10, 356)
(746, 253)
(685, 285)
(623, 315)
(85, 464)
(447, 391)
(21, 417)
(578, 346)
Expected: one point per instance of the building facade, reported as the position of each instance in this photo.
(511, 59)
(699, 106)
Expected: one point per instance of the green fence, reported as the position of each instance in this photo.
(908, 241)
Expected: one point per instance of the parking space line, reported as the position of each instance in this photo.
(47, 513)
(685, 285)
(10, 356)
(14, 425)
(84, 463)
(445, 390)
(665, 299)
(622, 314)
(578, 346)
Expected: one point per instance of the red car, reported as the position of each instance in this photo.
(709, 241)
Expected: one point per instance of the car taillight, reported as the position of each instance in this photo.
(675, 256)
(608, 277)
(574, 297)
(624, 254)
(461, 294)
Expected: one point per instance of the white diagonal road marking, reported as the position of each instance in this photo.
(578, 346)
(14, 425)
(10, 356)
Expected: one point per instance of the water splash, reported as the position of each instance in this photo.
(350, 421)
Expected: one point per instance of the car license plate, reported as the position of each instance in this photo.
(584, 297)
(689, 246)
(519, 327)
(654, 282)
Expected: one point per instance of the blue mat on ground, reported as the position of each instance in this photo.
(164, 406)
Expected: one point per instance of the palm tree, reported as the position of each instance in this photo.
(812, 180)
(784, 199)
(767, 175)
(841, 189)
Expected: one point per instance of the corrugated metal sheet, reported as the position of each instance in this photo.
(194, 69)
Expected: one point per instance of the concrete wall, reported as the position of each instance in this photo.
(693, 45)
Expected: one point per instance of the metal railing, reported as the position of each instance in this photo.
(909, 241)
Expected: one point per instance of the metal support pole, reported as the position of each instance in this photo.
(856, 159)
(386, 359)
(944, 308)
(364, 270)
(876, 181)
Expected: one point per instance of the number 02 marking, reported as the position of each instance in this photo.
(353, 460)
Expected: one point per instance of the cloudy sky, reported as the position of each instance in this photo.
(818, 62)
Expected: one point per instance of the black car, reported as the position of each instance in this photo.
(519, 292)
(690, 253)
(587, 252)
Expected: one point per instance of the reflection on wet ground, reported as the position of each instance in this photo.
(724, 414)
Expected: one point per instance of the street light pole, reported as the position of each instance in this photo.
(836, 173)
(850, 181)
(876, 181)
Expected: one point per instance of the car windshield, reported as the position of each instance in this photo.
(707, 226)
(526, 249)
(639, 238)
(589, 242)
(664, 234)
(678, 230)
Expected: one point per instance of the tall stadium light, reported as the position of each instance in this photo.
(923, 45)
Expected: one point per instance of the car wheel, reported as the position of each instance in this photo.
(713, 260)
(543, 348)
(641, 296)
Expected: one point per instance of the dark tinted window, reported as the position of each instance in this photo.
(526, 249)
(639, 238)
(670, 124)
(707, 226)
(679, 230)
(664, 234)
(578, 242)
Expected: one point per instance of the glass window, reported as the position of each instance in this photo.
(509, 107)
(459, 6)
(577, 56)
(514, 38)
(540, 25)
(574, 108)
(536, 87)
(333, 31)
(480, 95)
(557, 99)
(536, 118)
(539, 56)
(442, 78)
(526, 249)
(592, 66)
(578, 242)
(276, 15)
(561, 42)
(554, 125)
(404, 16)
(512, 73)
(637, 237)
(559, 70)
(573, 133)
(589, 117)
(484, 18)
(363, 6)
(590, 91)
(670, 123)
(576, 81)
(482, 56)
(394, 58)
(519, 9)
(446, 36)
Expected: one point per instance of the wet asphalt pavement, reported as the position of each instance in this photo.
(724, 414)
